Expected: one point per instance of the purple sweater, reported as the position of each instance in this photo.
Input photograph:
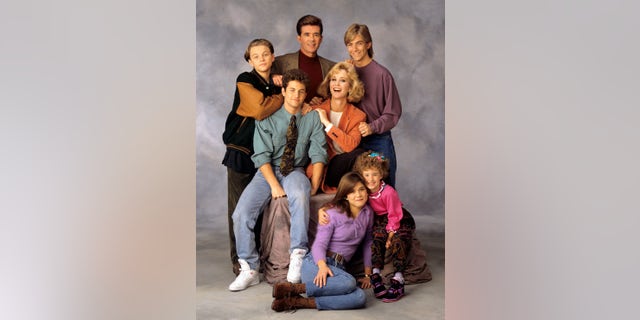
(343, 235)
(381, 101)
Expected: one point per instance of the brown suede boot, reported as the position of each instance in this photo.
(287, 289)
(292, 303)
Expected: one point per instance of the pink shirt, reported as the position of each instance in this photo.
(386, 201)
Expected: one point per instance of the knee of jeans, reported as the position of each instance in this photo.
(298, 193)
(360, 297)
(352, 283)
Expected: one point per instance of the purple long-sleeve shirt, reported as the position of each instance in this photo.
(343, 235)
(381, 101)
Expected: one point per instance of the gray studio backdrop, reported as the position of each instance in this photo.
(408, 38)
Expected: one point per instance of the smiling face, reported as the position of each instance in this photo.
(358, 197)
(373, 178)
(294, 95)
(357, 48)
(261, 58)
(339, 84)
(310, 39)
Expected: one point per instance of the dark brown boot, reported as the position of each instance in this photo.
(292, 303)
(287, 289)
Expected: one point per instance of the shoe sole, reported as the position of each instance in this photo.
(387, 300)
(240, 289)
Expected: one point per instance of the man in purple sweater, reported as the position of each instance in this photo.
(381, 101)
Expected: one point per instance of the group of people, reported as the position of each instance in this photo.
(302, 124)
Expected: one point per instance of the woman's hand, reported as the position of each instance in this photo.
(323, 117)
(323, 272)
(323, 217)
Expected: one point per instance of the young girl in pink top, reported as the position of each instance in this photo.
(393, 225)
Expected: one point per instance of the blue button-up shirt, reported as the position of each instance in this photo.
(270, 137)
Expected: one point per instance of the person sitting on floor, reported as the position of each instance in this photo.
(325, 281)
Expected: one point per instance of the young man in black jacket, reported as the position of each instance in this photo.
(256, 98)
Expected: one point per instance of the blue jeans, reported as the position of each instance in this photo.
(253, 200)
(383, 143)
(341, 291)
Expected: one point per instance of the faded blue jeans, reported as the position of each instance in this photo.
(253, 200)
(383, 143)
(341, 291)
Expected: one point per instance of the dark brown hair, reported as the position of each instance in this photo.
(308, 20)
(347, 185)
(295, 75)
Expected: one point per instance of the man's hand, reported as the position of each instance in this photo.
(316, 101)
(364, 129)
(277, 79)
(306, 108)
(314, 190)
(277, 192)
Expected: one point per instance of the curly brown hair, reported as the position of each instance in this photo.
(372, 160)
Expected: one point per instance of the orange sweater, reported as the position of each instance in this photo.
(346, 134)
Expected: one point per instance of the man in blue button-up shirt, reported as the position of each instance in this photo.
(269, 143)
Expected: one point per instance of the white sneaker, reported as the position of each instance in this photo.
(295, 265)
(246, 278)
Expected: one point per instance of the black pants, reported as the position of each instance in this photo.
(236, 183)
(400, 243)
(339, 165)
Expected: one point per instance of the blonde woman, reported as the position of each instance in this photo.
(340, 118)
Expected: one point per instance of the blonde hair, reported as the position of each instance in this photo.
(356, 92)
(372, 160)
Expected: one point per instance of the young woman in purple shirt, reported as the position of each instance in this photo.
(325, 281)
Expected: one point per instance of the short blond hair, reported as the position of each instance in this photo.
(356, 92)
